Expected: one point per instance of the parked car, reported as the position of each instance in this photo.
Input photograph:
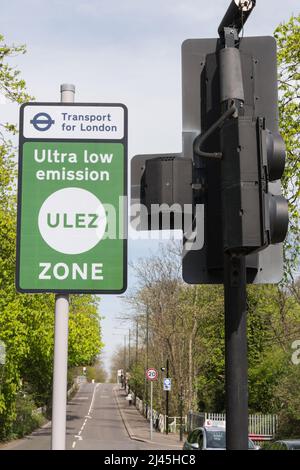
(210, 437)
(287, 444)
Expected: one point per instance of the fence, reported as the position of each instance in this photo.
(159, 419)
(261, 427)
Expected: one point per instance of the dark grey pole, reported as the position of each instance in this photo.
(167, 400)
(147, 352)
(235, 281)
(237, 14)
(236, 363)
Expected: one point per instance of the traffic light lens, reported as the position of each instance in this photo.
(276, 155)
(279, 219)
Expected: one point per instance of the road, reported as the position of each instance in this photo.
(93, 422)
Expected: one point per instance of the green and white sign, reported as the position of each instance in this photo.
(72, 209)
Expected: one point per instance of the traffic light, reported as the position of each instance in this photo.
(252, 157)
(240, 161)
(273, 161)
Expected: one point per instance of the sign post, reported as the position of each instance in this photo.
(151, 410)
(151, 374)
(72, 213)
(61, 334)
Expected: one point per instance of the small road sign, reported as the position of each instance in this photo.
(72, 222)
(167, 384)
(151, 374)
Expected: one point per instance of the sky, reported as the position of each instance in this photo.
(120, 51)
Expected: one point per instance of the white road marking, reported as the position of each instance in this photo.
(78, 436)
(92, 402)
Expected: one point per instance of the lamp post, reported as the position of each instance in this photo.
(136, 341)
(163, 369)
(124, 372)
(129, 350)
(147, 353)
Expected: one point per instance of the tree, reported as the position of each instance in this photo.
(186, 325)
(288, 38)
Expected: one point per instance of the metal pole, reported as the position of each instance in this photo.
(147, 351)
(236, 363)
(237, 14)
(181, 414)
(124, 361)
(129, 349)
(60, 364)
(151, 409)
(167, 400)
(136, 341)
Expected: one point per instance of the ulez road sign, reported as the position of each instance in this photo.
(72, 198)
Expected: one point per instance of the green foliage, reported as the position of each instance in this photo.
(264, 378)
(11, 85)
(96, 373)
(287, 394)
(137, 379)
(288, 39)
(84, 330)
(27, 418)
(186, 325)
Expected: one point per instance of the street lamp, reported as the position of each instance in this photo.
(147, 354)
(166, 369)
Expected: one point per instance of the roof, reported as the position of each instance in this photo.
(210, 428)
(214, 428)
(290, 441)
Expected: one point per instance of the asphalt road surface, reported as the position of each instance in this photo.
(93, 422)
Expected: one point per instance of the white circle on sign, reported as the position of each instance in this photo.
(151, 374)
(72, 221)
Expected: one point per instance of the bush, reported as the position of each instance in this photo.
(27, 419)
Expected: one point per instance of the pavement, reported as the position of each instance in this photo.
(138, 427)
(99, 417)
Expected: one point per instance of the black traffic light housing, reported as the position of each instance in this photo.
(244, 210)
